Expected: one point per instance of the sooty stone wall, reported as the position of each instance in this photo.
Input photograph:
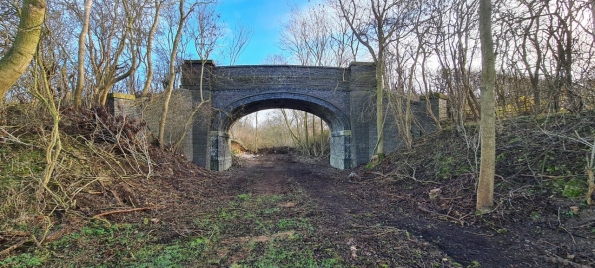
(150, 109)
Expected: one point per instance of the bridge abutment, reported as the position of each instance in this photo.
(220, 152)
(362, 111)
(341, 149)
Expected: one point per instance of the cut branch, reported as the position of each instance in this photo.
(123, 211)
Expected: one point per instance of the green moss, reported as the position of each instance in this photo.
(444, 167)
(574, 188)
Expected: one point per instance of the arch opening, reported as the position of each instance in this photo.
(337, 122)
(281, 130)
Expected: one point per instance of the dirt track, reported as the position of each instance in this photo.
(357, 218)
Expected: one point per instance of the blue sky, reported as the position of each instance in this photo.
(265, 17)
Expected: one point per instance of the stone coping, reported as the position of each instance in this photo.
(117, 95)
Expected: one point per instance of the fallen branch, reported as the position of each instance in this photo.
(399, 176)
(462, 222)
(123, 211)
(555, 177)
(479, 234)
(5, 136)
(14, 233)
(13, 247)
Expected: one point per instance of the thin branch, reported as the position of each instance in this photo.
(462, 222)
(6, 136)
(13, 247)
(123, 211)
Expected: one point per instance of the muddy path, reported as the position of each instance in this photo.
(358, 221)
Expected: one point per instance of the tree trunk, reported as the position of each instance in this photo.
(172, 74)
(256, 132)
(379, 104)
(294, 137)
(307, 140)
(202, 75)
(485, 189)
(322, 138)
(78, 91)
(15, 61)
(314, 144)
(591, 182)
(152, 32)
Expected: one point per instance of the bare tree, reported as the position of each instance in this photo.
(454, 28)
(112, 46)
(561, 31)
(345, 46)
(546, 49)
(206, 34)
(403, 60)
(374, 24)
(9, 22)
(308, 39)
(294, 37)
(275, 59)
(240, 37)
(531, 36)
(149, 53)
(183, 16)
(316, 36)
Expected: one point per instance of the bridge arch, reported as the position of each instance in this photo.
(338, 122)
(333, 116)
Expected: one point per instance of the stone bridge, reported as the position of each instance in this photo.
(343, 97)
